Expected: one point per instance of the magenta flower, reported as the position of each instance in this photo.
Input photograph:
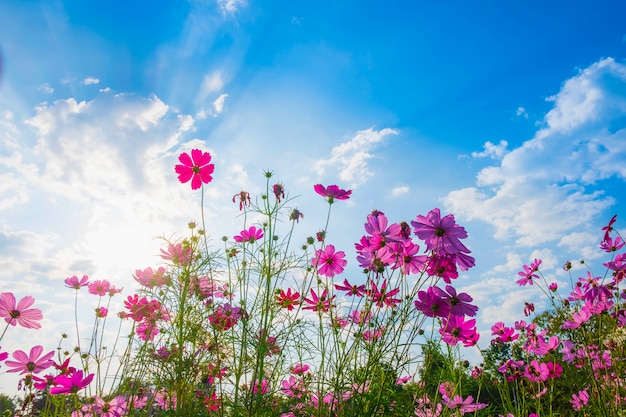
(610, 245)
(351, 289)
(151, 278)
(70, 384)
(464, 405)
(528, 273)
(329, 262)
(196, 168)
(381, 233)
(32, 363)
(580, 400)
(455, 329)
(99, 287)
(250, 236)
(441, 234)
(609, 228)
(408, 260)
(177, 254)
(536, 372)
(74, 282)
(332, 192)
(382, 296)
(503, 334)
(288, 299)
(19, 313)
(432, 302)
(460, 303)
(318, 303)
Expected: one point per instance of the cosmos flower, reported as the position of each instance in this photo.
(19, 313)
(33, 363)
(332, 192)
(329, 262)
(196, 168)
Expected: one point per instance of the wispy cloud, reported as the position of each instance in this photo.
(231, 7)
(492, 151)
(350, 158)
(218, 104)
(91, 81)
(401, 190)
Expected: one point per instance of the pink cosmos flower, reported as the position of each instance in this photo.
(460, 303)
(536, 372)
(329, 262)
(318, 303)
(577, 318)
(609, 228)
(360, 318)
(441, 234)
(299, 369)
(408, 260)
(332, 192)
(19, 313)
(250, 236)
(381, 233)
(261, 388)
(529, 273)
(580, 400)
(432, 302)
(176, 253)
(196, 168)
(351, 289)
(442, 266)
(151, 278)
(288, 299)
(70, 384)
(381, 296)
(610, 245)
(99, 287)
(74, 282)
(503, 334)
(31, 363)
(455, 329)
(101, 312)
(464, 405)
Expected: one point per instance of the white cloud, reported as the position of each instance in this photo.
(540, 191)
(230, 7)
(521, 112)
(46, 89)
(398, 191)
(492, 151)
(218, 104)
(211, 83)
(350, 158)
(91, 81)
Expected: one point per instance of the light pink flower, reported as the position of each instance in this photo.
(31, 363)
(151, 278)
(329, 262)
(74, 282)
(19, 313)
(99, 287)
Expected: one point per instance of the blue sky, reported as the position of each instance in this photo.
(511, 115)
